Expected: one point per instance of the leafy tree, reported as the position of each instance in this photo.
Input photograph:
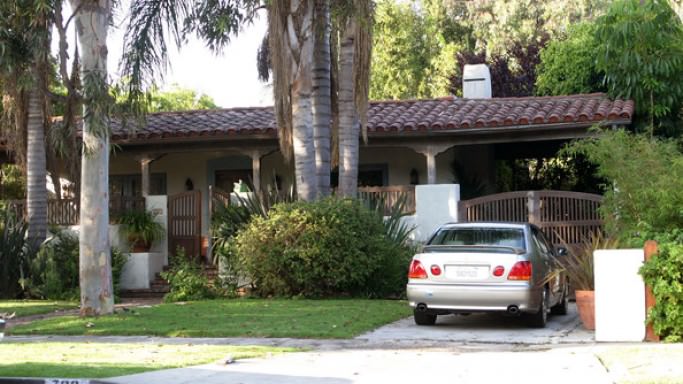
(512, 74)
(174, 99)
(642, 56)
(568, 65)
(497, 24)
(414, 50)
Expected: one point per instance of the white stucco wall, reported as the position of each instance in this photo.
(140, 270)
(619, 295)
(435, 205)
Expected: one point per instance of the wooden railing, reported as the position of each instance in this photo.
(67, 211)
(389, 196)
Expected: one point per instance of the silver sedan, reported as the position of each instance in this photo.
(487, 267)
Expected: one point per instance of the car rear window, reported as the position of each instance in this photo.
(501, 237)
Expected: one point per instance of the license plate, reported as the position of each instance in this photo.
(467, 272)
(66, 381)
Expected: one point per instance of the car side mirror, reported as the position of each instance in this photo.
(562, 251)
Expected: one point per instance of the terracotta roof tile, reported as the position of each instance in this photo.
(394, 117)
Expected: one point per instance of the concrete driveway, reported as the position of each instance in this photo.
(484, 328)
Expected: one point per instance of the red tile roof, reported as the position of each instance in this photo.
(387, 117)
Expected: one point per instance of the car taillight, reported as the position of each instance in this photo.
(435, 269)
(417, 271)
(520, 271)
(498, 271)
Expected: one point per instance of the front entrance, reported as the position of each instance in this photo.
(565, 217)
(226, 179)
(185, 223)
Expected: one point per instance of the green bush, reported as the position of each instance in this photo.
(329, 247)
(54, 270)
(186, 280)
(14, 255)
(645, 191)
(664, 274)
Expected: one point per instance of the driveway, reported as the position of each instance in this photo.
(484, 328)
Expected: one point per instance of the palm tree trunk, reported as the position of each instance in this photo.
(322, 111)
(36, 189)
(97, 296)
(348, 123)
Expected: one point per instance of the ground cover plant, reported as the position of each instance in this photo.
(233, 318)
(98, 360)
(35, 307)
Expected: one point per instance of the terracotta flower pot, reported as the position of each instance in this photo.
(585, 304)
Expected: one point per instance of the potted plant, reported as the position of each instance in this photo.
(577, 264)
(140, 229)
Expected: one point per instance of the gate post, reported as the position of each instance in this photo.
(534, 206)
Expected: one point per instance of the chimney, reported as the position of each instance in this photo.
(476, 81)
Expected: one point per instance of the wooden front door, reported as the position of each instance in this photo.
(185, 223)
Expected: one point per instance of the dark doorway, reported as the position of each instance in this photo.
(226, 179)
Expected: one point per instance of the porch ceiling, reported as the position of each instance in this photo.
(463, 121)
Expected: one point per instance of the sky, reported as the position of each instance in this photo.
(230, 78)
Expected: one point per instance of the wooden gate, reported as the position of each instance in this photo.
(185, 223)
(563, 216)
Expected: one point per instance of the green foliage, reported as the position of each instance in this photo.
(578, 263)
(14, 255)
(664, 274)
(225, 223)
(413, 51)
(171, 100)
(568, 65)
(54, 271)
(186, 280)
(645, 177)
(140, 227)
(642, 56)
(329, 247)
(12, 183)
(497, 24)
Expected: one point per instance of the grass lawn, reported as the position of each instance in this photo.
(34, 307)
(234, 318)
(655, 363)
(97, 360)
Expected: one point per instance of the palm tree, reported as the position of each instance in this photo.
(322, 94)
(291, 33)
(354, 80)
(24, 42)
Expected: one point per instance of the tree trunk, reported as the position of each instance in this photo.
(302, 113)
(348, 122)
(97, 296)
(36, 189)
(322, 112)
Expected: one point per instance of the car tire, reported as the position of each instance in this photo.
(562, 307)
(540, 318)
(424, 318)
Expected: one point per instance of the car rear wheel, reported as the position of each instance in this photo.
(540, 318)
(424, 318)
(562, 307)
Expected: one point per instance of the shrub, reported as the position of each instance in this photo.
(14, 255)
(326, 248)
(54, 270)
(225, 223)
(186, 280)
(664, 274)
(646, 181)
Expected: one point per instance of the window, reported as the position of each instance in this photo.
(501, 237)
(131, 185)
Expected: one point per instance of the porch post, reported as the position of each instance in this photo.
(256, 170)
(145, 165)
(430, 151)
(431, 167)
